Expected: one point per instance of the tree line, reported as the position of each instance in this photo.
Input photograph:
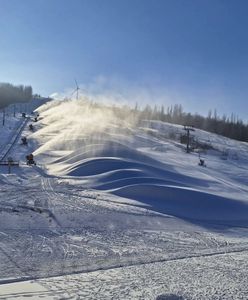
(10, 94)
(232, 126)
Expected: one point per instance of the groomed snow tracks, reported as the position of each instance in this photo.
(120, 265)
(7, 149)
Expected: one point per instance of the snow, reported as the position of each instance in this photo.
(115, 208)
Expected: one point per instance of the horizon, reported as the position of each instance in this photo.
(115, 99)
(165, 52)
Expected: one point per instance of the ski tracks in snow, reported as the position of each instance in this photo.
(206, 277)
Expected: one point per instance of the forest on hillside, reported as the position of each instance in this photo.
(232, 127)
(14, 94)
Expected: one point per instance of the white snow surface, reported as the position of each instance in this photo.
(116, 209)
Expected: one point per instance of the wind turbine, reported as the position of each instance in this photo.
(77, 89)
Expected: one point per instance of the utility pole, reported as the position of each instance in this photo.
(188, 129)
(3, 116)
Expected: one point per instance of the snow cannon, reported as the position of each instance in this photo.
(202, 163)
(24, 140)
(30, 159)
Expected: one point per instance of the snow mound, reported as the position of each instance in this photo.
(146, 164)
(185, 202)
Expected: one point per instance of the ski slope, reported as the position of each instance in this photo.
(115, 208)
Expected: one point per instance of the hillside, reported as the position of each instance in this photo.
(112, 195)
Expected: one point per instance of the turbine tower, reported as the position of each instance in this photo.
(77, 89)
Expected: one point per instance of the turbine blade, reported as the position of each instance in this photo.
(74, 92)
(76, 82)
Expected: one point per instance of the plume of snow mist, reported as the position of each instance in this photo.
(70, 124)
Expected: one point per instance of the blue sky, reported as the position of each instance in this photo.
(193, 52)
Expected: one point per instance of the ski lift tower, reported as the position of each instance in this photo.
(188, 129)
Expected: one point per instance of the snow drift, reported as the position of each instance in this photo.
(81, 140)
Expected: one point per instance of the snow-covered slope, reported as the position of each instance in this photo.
(142, 163)
(118, 198)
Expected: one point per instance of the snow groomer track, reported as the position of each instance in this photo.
(5, 151)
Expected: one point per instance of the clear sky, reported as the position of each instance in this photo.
(193, 52)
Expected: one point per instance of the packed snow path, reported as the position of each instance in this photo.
(12, 139)
(129, 214)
